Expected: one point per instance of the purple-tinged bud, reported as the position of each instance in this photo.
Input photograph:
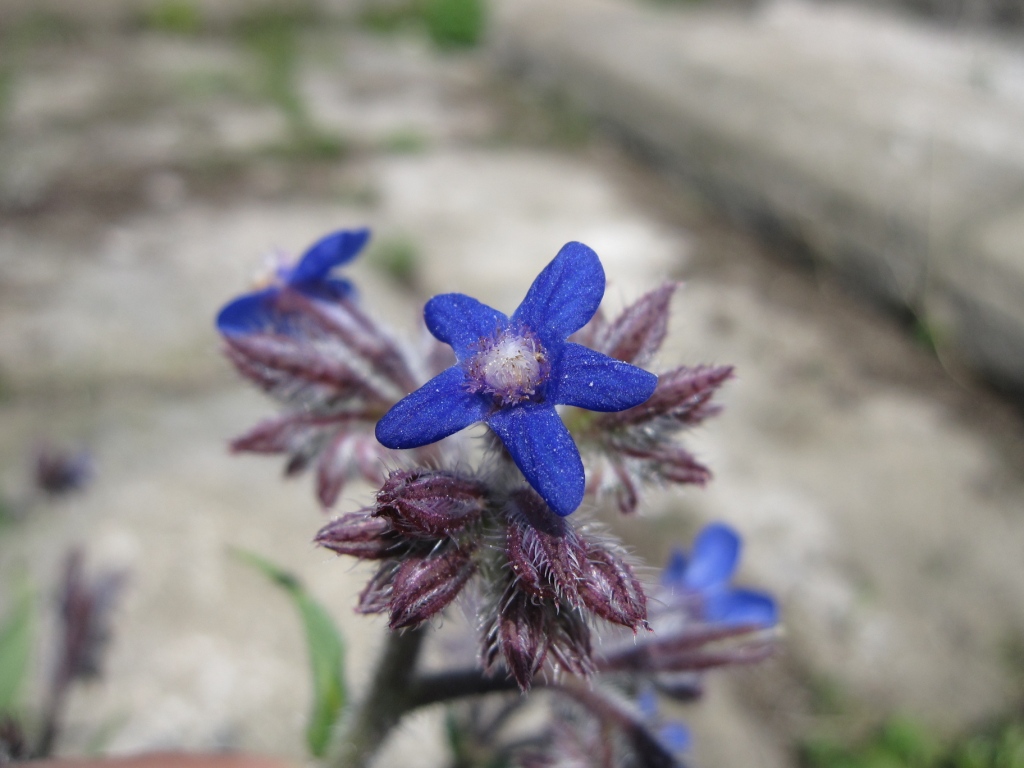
(677, 465)
(347, 454)
(85, 611)
(285, 365)
(425, 585)
(376, 595)
(682, 395)
(611, 589)
(518, 635)
(546, 554)
(358, 332)
(360, 535)
(692, 650)
(639, 331)
(279, 435)
(428, 504)
(569, 643)
(627, 498)
(670, 462)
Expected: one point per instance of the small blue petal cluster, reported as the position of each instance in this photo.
(706, 575)
(673, 735)
(260, 311)
(511, 372)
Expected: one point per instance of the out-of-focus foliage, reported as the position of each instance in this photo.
(15, 651)
(450, 23)
(181, 17)
(899, 743)
(455, 23)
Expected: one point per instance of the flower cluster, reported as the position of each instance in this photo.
(305, 341)
(571, 414)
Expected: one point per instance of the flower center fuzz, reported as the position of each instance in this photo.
(510, 366)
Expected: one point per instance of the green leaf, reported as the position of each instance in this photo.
(326, 654)
(15, 651)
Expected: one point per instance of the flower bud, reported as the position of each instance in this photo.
(425, 585)
(611, 589)
(360, 535)
(543, 549)
(639, 331)
(430, 505)
(683, 395)
(376, 595)
(518, 635)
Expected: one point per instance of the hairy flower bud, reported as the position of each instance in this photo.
(611, 589)
(546, 554)
(360, 535)
(430, 505)
(569, 643)
(289, 367)
(347, 454)
(86, 608)
(639, 331)
(376, 595)
(517, 634)
(682, 395)
(425, 585)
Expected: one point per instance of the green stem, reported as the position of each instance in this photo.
(387, 700)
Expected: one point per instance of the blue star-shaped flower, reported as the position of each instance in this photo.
(310, 275)
(707, 572)
(513, 371)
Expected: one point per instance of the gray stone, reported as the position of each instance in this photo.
(879, 145)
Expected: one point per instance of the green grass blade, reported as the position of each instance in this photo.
(15, 651)
(326, 654)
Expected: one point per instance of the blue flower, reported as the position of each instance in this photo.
(706, 574)
(672, 734)
(511, 372)
(310, 276)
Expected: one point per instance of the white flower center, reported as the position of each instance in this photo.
(510, 366)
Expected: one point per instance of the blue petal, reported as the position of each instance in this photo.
(716, 552)
(674, 574)
(591, 380)
(675, 736)
(564, 296)
(251, 313)
(742, 606)
(647, 703)
(327, 253)
(543, 449)
(461, 321)
(439, 408)
(329, 289)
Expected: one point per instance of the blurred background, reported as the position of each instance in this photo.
(839, 185)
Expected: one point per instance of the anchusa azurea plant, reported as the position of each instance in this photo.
(501, 518)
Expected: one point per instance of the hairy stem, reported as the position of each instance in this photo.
(387, 700)
(456, 684)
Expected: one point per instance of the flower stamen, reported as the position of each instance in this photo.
(511, 366)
